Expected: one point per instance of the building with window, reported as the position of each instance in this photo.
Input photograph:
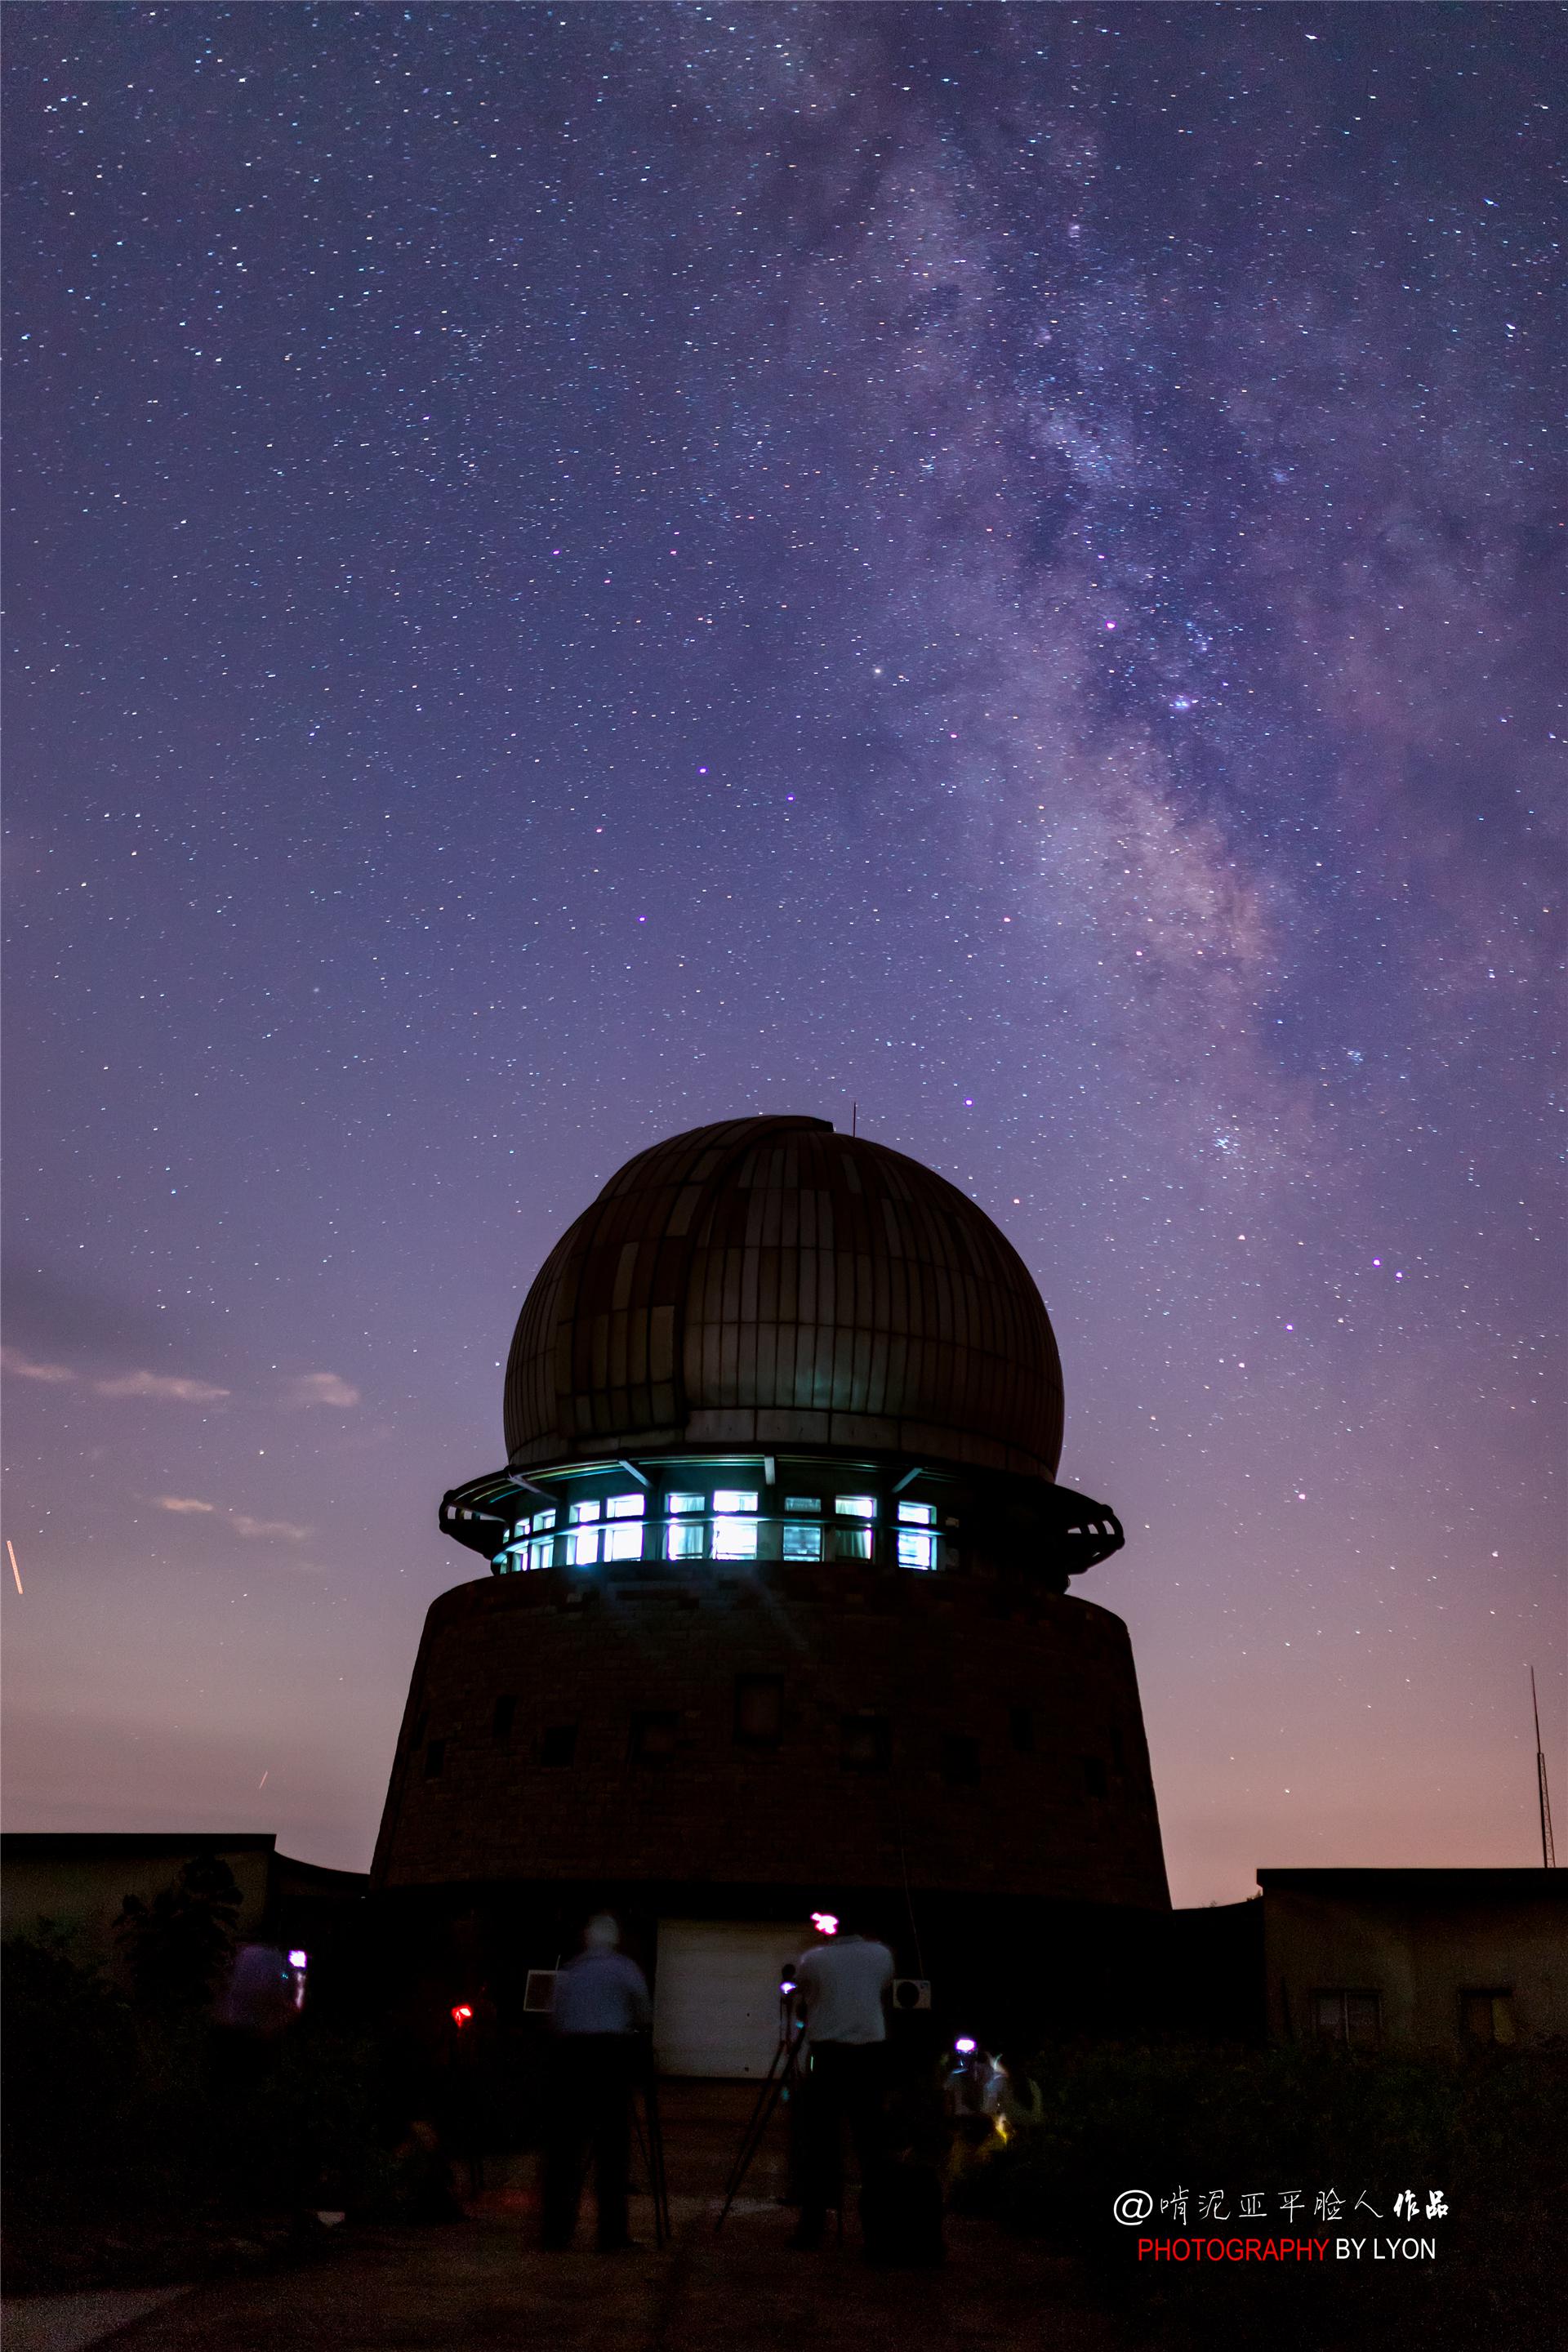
(1416, 1959)
(775, 1607)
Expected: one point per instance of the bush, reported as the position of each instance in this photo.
(1489, 2133)
(141, 2141)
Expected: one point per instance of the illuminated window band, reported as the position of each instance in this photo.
(727, 1524)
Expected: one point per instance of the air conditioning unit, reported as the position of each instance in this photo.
(911, 1992)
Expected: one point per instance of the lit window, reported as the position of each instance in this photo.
(735, 1539)
(917, 1515)
(583, 1547)
(802, 1502)
(582, 1512)
(540, 1520)
(916, 1551)
(624, 1542)
(688, 1503)
(732, 1498)
(625, 1506)
(852, 1543)
(856, 1507)
(803, 1543)
(542, 1552)
(684, 1542)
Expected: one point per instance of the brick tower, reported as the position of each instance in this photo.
(776, 1612)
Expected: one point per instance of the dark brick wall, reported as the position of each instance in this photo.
(1013, 1762)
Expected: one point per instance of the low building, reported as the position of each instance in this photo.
(1427, 1960)
(77, 1882)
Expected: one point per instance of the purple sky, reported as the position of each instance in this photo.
(577, 572)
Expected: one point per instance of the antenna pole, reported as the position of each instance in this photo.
(1543, 1798)
(853, 1117)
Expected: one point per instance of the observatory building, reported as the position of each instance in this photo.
(775, 1612)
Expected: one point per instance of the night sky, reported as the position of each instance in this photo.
(579, 570)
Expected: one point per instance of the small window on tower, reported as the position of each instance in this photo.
(866, 1743)
(917, 1515)
(685, 1542)
(582, 1546)
(653, 1736)
(582, 1513)
(758, 1710)
(916, 1550)
(688, 1503)
(856, 1507)
(627, 1506)
(541, 1552)
(803, 1543)
(540, 1520)
(802, 1502)
(559, 1744)
(852, 1543)
(735, 1499)
(624, 1542)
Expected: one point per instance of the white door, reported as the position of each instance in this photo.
(716, 1996)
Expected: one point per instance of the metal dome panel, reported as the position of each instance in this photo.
(768, 1281)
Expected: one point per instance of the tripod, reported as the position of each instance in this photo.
(650, 2148)
(782, 2076)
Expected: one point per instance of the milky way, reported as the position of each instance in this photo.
(577, 571)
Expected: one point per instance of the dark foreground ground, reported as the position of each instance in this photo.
(481, 2283)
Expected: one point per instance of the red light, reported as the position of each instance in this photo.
(461, 2015)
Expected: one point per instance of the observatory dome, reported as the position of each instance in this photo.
(772, 1282)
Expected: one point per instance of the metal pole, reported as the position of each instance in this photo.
(1542, 1795)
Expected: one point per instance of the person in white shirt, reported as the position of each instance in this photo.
(842, 1987)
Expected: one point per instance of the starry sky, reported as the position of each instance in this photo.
(579, 570)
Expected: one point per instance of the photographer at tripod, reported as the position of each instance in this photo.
(601, 2015)
(842, 1987)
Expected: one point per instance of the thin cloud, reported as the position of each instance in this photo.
(240, 1523)
(24, 1368)
(168, 1385)
(321, 1388)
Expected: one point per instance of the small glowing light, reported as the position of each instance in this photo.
(825, 1922)
(299, 1959)
(964, 2046)
(11, 1551)
(461, 2015)
(786, 1984)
